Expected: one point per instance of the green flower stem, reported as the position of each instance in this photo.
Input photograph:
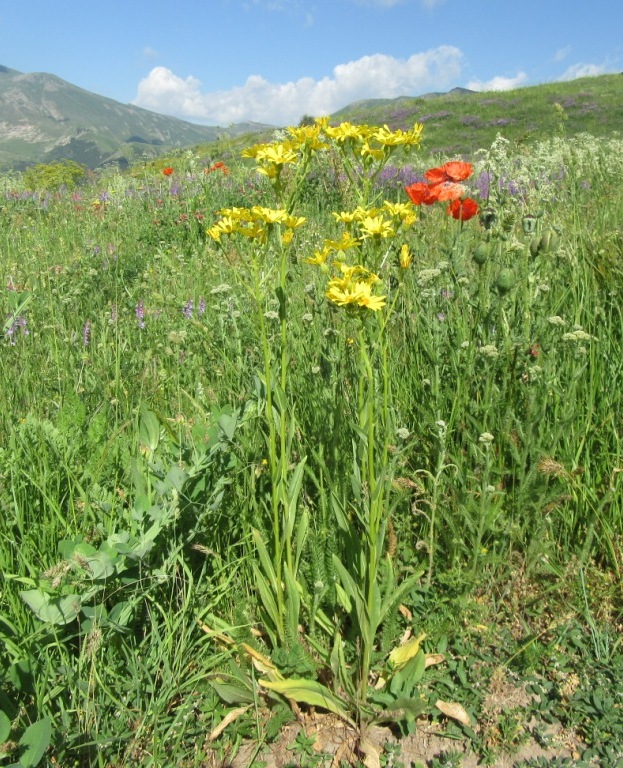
(272, 450)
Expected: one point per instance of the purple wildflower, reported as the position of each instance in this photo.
(202, 306)
(18, 322)
(188, 309)
(140, 314)
(86, 333)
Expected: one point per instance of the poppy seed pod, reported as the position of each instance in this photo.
(505, 280)
(529, 224)
(535, 246)
(487, 218)
(480, 253)
(549, 241)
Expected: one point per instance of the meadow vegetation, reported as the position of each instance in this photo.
(299, 436)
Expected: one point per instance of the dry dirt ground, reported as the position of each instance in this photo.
(342, 746)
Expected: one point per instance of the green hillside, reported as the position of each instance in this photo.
(44, 118)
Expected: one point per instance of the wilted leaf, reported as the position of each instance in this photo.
(401, 655)
(433, 658)
(371, 752)
(454, 711)
(229, 718)
(308, 692)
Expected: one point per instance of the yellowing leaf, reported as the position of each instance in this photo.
(454, 711)
(401, 655)
(308, 692)
(234, 714)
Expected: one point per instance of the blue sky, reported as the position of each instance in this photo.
(225, 61)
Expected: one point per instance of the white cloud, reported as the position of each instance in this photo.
(375, 76)
(562, 53)
(498, 83)
(583, 70)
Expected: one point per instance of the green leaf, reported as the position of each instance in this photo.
(293, 605)
(294, 489)
(227, 422)
(149, 429)
(308, 692)
(52, 610)
(5, 727)
(265, 560)
(36, 739)
(232, 691)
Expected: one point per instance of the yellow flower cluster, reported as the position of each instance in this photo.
(369, 142)
(372, 139)
(367, 224)
(354, 288)
(254, 223)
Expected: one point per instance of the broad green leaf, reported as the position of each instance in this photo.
(308, 692)
(232, 691)
(5, 727)
(52, 610)
(101, 565)
(35, 739)
(149, 429)
(227, 422)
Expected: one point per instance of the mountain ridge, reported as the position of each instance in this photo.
(44, 118)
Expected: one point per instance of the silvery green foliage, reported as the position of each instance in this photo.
(537, 171)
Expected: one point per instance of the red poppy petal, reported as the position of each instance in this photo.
(457, 170)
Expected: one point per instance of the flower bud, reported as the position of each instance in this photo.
(480, 253)
(505, 280)
(487, 218)
(529, 224)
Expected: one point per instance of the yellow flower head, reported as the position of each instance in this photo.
(388, 138)
(370, 152)
(293, 222)
(347, 131)
(354, 289)
(269, 215)
(307, 137)
(320, 257)
(225, 226)
(346, 241)
(406, 257)
(377, 227)
(401, 211)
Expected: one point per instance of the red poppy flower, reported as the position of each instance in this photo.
(422, 193)
(448, 190)
(167, 171)
(455, 170)
(463, 210)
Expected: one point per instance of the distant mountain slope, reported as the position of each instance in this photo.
(44, 118)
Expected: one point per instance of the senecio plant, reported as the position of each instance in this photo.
(361, 270)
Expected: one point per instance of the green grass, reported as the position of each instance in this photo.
(163, 396)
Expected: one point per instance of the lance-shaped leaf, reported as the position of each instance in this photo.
(309, 692)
